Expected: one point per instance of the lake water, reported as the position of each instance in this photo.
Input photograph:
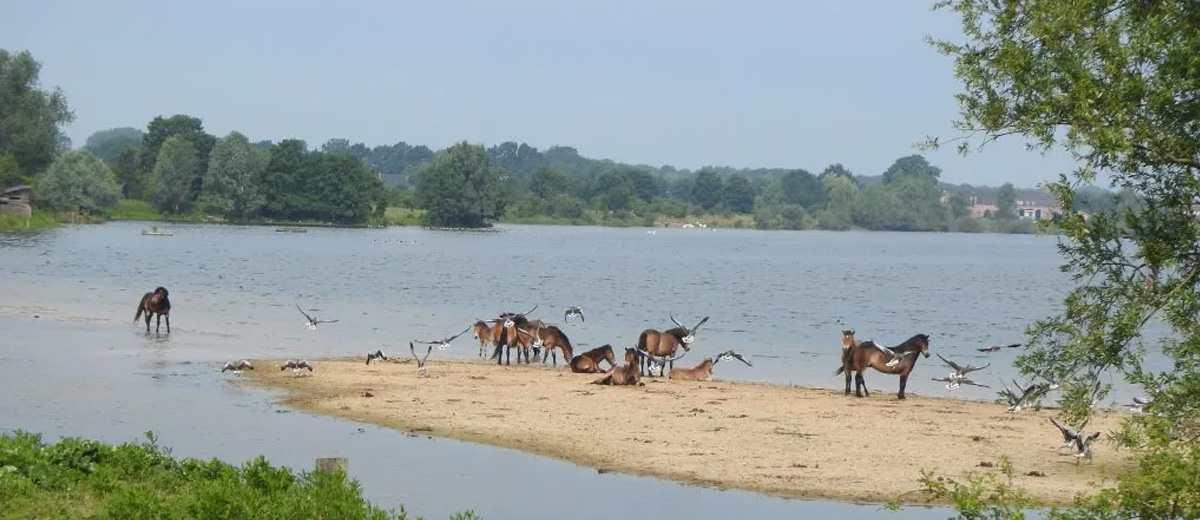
(80, 368)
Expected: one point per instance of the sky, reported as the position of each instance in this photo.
(686, 83)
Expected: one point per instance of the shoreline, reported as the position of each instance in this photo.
(780, 440)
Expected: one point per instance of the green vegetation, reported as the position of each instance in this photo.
(39, 220)
(1114, 84)
(77, 478)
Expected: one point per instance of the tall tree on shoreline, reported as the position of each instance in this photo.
(174, 171)
(1113, 83)
(31, 118)
(461, 188)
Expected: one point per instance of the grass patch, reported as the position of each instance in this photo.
(398, 216)
(39, 220)
(131, 209)
(78, 478)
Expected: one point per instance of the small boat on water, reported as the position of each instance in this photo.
(291, 229)
(156, 232)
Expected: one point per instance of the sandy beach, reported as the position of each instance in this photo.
(780, 440)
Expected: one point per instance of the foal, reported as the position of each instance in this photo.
(589, 362)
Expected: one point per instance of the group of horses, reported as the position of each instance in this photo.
(655, 348)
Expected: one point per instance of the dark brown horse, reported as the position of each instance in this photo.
(548, 337)
(155, 302)
(628, 374)
(898, 360)
(589, 362)
(509, 338)
(664, 344)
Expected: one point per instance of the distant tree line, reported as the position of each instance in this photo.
(179, 168)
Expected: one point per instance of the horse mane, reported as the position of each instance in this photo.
(678, 332)
(561, 334)
(912, 343)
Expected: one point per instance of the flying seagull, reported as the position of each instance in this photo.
(573, 311)
(1069, 435)
(893, 356)
(1024, 397)
(312, 321)
(996, 348)
(1083, 445)
(238, 366)
(961, 371)
(653, 361)
(378, 354)
(955, 382)
(444, 344)
(420, 361)
(728, 355)
(296, 366)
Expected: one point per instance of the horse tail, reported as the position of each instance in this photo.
(839, 370)
(642, 341)
(141, 308)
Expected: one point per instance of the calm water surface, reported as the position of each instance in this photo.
(80, 368)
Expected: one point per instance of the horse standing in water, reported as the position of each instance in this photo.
(859, 357)
(155, 302)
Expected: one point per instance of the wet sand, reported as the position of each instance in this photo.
(779, 440)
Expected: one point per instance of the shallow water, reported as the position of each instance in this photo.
(782, 298)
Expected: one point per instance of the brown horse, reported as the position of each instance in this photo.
(486, 333)
(628, 374)
(664, 344)
(902, 359)
(548, 337)
(704, 370)
(589, 362)
(509, 338)
(155, 302)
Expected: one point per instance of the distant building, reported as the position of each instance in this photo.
(1023, 209)
(15, 200)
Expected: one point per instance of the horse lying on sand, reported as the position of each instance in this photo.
(899, 360)
(158, 303)
(704, 370)
(589, 362)
(629, 374)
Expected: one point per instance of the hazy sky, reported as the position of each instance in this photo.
(782, 83)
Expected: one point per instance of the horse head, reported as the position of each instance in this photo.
(922, 341)
(631, 355)
(686, 336)
(480, 329)
(847, 339)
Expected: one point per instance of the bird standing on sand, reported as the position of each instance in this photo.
(1138, 403)
(312, 321)
(573, 311)
(237, 367)
(378, 354)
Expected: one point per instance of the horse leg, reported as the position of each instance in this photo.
(147, 323)
(168, 324)
(903, 383)
(860, 385)
(847, 380)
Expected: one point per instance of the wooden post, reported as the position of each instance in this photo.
(333, 464)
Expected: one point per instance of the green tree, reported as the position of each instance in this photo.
(707, 189)
(911, 166)
(1113, 84)
(460, 188)
(546, 182)
(31, 118)
(128, 168)
(801, 187)
(1006, 202)
(10, 172)
(739, 194)
(191, 128)
(836, 170)
(107, 145)
(282, 181)
(231, 183)
(174, 171)
(76, 181)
